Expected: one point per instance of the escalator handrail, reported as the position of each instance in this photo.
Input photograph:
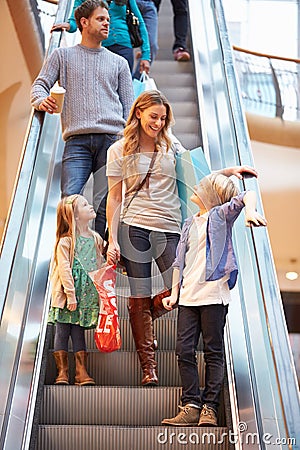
(240, 148)
(277, 326)
(17, 207)
(18, 202)
(16, 228)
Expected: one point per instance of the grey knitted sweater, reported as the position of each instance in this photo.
(98, 86)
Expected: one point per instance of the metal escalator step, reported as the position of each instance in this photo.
(186, 125)
(175, 79)
(122, 368)
(189, 140)
(180, 93)
(168, 67)
(164, 329)
(185, 109)
(125, 406)
(130, 438)
(166, 53)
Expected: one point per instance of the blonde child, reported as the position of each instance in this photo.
(204, 271)
(75, 301)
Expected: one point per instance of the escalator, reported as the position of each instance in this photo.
(260, 402)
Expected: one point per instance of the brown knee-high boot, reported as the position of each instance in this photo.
(62, 364)
(157, 307)
(82, 378)
(141, 325)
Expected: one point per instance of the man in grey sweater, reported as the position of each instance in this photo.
(98, 98)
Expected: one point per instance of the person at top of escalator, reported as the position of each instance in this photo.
(142, 178)
(118, 40)
(204, 271)
(180, 27)
(98, 98)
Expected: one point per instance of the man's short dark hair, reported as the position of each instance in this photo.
(86, 9)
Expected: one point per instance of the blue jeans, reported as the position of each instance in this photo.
(210, 321)
(180, 23)
(85, 154)
(149, 13)
(138, 247)
(126, 52)
(62, 333)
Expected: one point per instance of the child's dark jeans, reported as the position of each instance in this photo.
(210, 321)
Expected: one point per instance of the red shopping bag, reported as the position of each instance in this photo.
(107, 335)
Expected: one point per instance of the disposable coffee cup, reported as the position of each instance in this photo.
(58, 92)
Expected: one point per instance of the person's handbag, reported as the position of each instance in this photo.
(144, 83)
(107, 334)
(191, 167)
(133, 27)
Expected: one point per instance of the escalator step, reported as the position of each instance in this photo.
(95, 405)
(122, 368)
(103, 405)
(164, 328)
(129, 438)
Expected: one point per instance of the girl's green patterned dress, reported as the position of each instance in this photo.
(86, 314)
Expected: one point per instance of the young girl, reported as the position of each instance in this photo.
(204, 271)
(75, 301)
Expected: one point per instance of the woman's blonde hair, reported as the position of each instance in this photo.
(132, 129)
(66, 225)
(218, 189)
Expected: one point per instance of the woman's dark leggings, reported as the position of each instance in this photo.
(62, 333)
(139, 247)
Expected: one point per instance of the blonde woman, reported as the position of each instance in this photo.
(141, 176)
(75, 301)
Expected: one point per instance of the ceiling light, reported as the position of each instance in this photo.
(292, 276)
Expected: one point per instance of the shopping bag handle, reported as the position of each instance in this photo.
(144, 76)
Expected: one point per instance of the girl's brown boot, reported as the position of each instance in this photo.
(62, 364)
(82, 378)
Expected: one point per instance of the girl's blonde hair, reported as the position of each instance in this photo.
(66, 225)
(132, 129)
(218, 189)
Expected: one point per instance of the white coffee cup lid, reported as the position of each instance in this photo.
(58, 89)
